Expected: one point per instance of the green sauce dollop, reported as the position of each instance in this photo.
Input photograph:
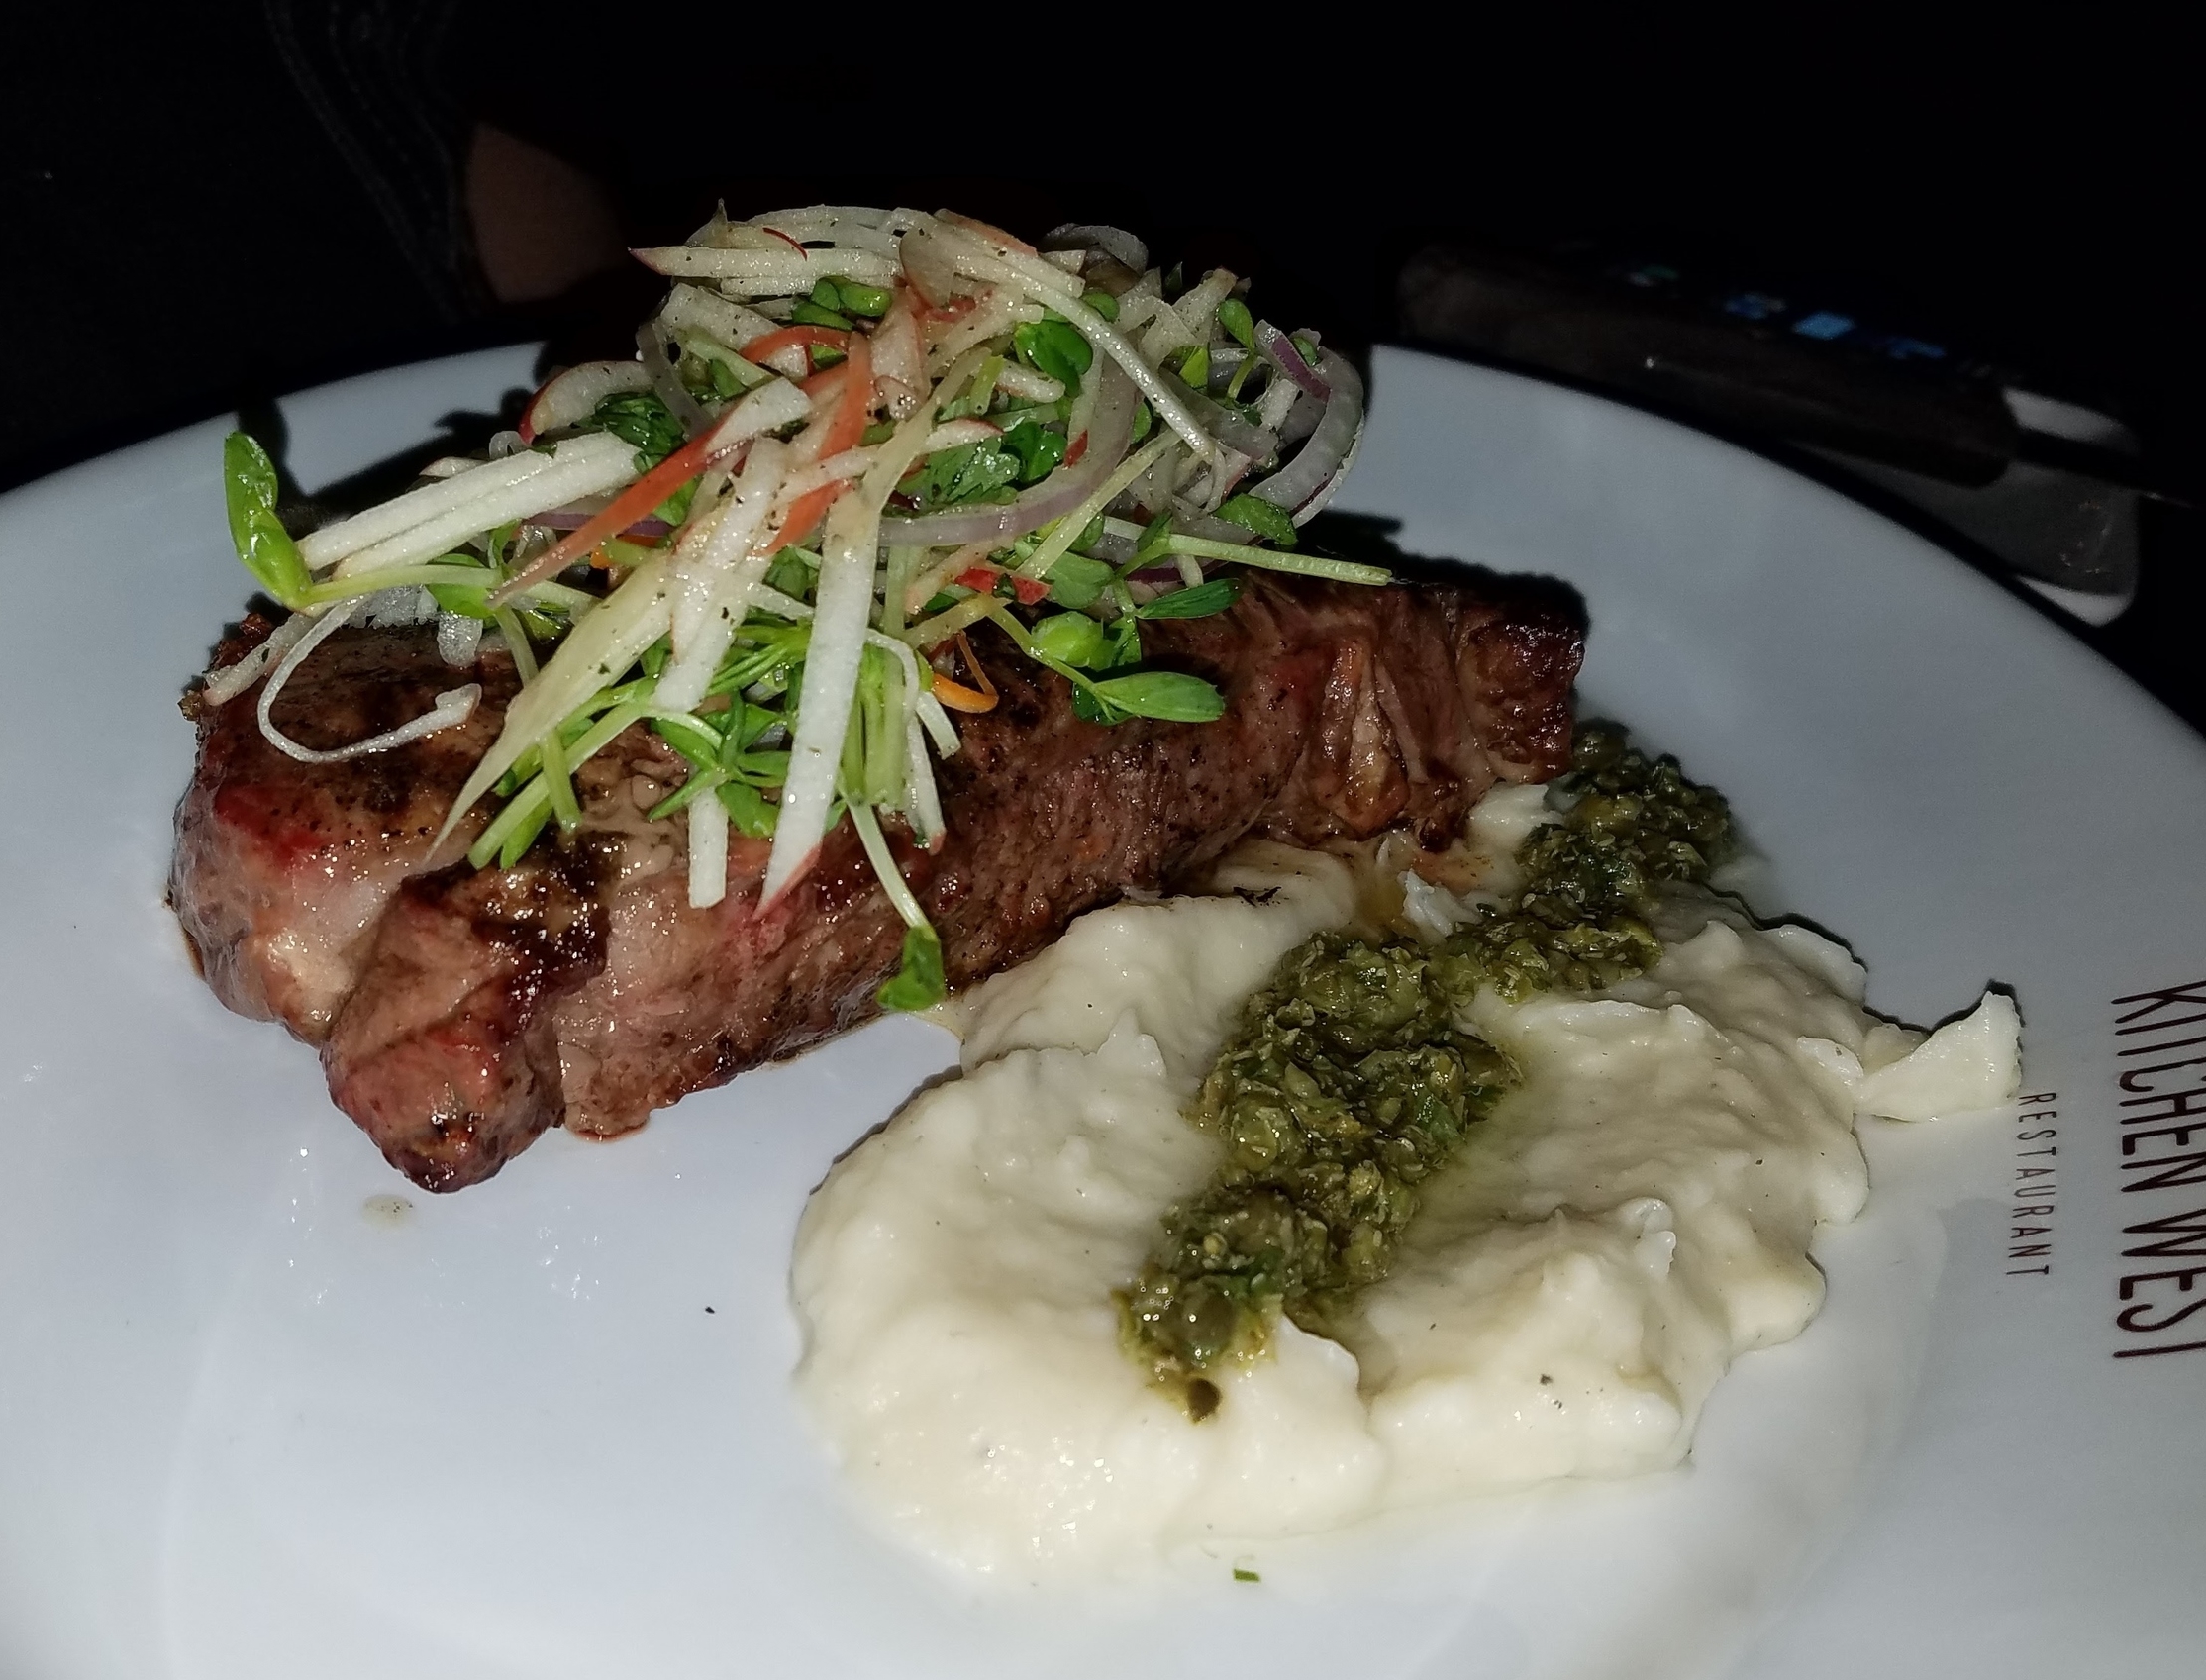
(1350, 1079)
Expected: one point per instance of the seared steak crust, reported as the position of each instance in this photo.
(282, 868)
(460, 1012)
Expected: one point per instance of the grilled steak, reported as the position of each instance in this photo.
(282, 868)
(459, 1013)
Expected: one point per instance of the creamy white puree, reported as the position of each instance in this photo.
(1632, 1217)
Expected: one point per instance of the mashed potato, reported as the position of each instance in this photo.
(1628, 1221)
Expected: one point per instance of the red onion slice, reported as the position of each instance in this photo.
(1307, 482)
(1223, 424)
(1278, 350)
(1301, 420)
(577, 517)
(1063, 490)
(1121, 246)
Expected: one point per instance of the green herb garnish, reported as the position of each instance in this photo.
(1346, 1085)
(1266, 519)
(971, 472)
(813, 312)
(1348, 1081)
(857, 298)
(1198, 602)
(250, 490)
(1040, 452)
(919, 981)
(1580, 920)
(1070, 639)
(641, 419)
(1056, 348)
(1078, 582)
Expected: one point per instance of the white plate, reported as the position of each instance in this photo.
(250, 1427)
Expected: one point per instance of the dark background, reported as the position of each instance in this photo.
(208, 205)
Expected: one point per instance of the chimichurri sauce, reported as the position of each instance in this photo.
(1350, 1079)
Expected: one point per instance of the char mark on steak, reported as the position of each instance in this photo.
(282, 869)
(460, 1012)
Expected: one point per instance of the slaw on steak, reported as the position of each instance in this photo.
(910, 593)
(849, 437)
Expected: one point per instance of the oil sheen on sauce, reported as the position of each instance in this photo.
(1625, 1222)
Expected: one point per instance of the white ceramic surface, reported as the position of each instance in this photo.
(259, 1420)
